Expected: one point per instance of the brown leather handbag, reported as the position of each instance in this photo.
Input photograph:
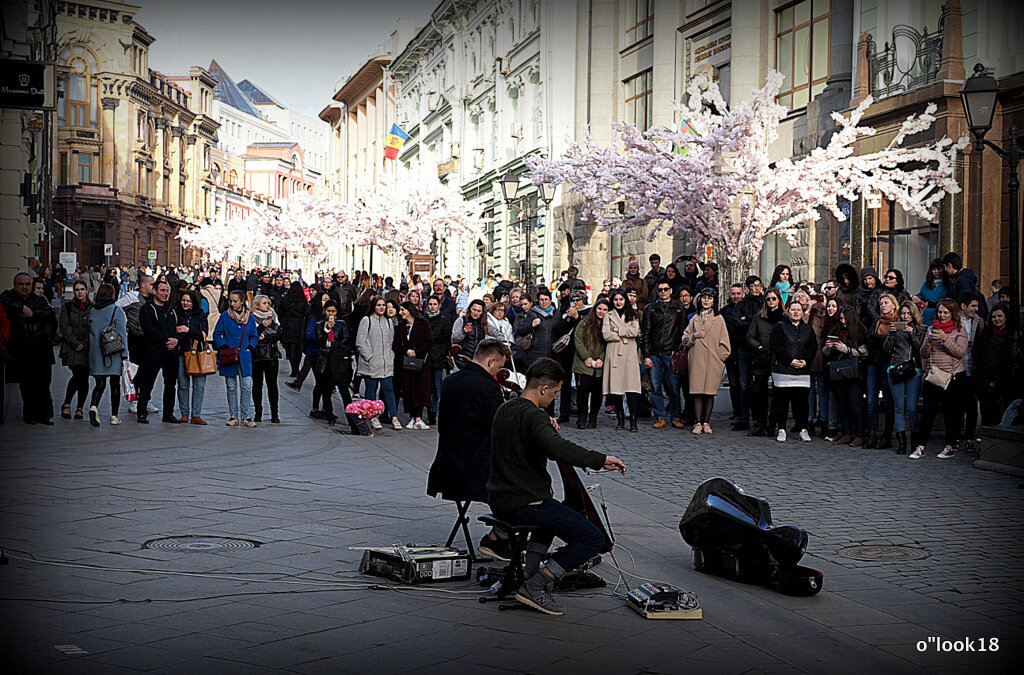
(200, 362)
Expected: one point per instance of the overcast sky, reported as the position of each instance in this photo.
(296, 50)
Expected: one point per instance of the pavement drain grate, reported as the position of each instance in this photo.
(884, 553)
(195, 543)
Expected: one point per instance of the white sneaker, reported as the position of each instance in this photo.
(781, 438)
(248, 423)
(151, 408)
(233, 422)
(114, 421)
(375, 424)
(132, 408)
(396, 424)
(411, 424)
(917, 453)
(421, 425)
(804, 436)
(947, 453)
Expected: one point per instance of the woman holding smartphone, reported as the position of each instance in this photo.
(942, 357)
(844, 339)
(903, 344)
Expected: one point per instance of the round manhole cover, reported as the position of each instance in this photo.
(883, 553)
(193, 543)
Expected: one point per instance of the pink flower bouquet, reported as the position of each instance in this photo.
(365, 409)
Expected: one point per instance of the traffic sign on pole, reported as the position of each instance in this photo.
(151, 255)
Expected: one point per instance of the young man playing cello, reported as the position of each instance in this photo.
(523, 439)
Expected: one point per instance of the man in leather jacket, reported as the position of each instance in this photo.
(30, 348)
(745, 311)
(661, 329)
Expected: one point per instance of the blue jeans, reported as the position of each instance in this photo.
(660, 375)
(582, 538)
(435, 394)
(198, 390)
(233, 395)
(878, 382)
(387, 391)
(904, 396)
(817, 392)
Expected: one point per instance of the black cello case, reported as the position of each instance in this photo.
(732, 535)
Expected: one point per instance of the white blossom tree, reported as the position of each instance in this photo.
(719, 185)
(407, 215)
(226, 237)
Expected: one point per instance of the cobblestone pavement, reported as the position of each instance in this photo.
(80, 503)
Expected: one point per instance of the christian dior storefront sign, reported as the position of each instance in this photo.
(26, 84)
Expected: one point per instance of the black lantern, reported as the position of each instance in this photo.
(979, 99)
(509, 186)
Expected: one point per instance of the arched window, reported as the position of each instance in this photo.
(79, 103)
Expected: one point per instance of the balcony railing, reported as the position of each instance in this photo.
(910, 61)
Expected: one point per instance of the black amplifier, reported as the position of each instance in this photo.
(416, 565)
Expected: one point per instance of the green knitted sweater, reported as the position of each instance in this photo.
(522, 442)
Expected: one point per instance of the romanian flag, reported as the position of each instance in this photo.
(393, 143)
(686, 128)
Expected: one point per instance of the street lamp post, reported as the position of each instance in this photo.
(979, 98)
(509, 191)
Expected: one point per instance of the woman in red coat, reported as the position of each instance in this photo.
(413, 339)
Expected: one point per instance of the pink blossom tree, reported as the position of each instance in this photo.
(719, 184)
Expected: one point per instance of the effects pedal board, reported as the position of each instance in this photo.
(416, 564)
(661, 601)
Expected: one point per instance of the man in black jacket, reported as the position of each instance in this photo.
(344, 293)
(469, 398)
(661, 329)
(573, 313)
(746, 309)
(161, 326)
(447, 303)
(737, 334)
(30, 348)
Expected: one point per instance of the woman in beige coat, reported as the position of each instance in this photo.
(707, 341)
(621, 330)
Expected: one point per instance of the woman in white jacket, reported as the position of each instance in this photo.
(498, 325)
(376, 360)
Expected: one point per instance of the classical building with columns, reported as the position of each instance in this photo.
(132, 152)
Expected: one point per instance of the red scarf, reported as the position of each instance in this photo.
(80, 305)
(999, 332)
(946, 327)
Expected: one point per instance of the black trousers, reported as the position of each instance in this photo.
(307, 365)
(759, 399)
(326, 383)
(34, 382)
(115, 391)
(294, 353)
(732, 369)
(951, 401)
(264, 370)
(78, 384)
(970, 402)
(849, 399)
(146, 379)
(786, 397)
(565, 359)
(588, 397)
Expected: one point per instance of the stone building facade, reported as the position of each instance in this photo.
(132, 152)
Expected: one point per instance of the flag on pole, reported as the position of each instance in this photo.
(685, 128)
(396, 138)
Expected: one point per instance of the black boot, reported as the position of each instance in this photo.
(620, 418)
(871, 440)
(901, 442)
(592, 422)
(431, 417)
(885, 441)
(632, 420)
(258, 413)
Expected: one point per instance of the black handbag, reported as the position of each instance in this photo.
(844, 370)
(902, 372)
(413, 364)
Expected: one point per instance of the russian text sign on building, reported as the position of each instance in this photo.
(715, 47)
(27, 84)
